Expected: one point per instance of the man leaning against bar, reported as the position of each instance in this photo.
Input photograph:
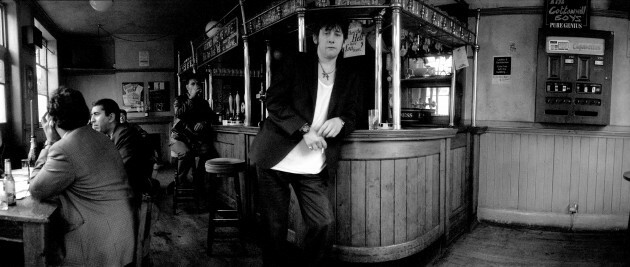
(312, 105)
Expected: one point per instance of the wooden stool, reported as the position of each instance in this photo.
(182, 193)
(224, 168)
(626, 176)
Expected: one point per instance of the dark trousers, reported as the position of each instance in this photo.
(186, 158)
(275, 195)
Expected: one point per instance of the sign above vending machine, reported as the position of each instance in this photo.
(567, 14)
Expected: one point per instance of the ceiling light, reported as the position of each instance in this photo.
(101, 5)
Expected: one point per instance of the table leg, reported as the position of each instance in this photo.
(34, 241)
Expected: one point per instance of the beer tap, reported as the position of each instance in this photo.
(262, 96)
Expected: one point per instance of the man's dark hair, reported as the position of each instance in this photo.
(328, 22)
(109, 106)
(67, 108)
(193, 77)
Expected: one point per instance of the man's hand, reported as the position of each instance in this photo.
(314, 141)
(199, 126)
(49, 129)
(193, 92)
(331, 128)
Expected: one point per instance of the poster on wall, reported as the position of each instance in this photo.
(133, 96)
(159, 100)
(502, 70)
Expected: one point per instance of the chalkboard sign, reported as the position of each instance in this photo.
(159, 96)
(502, 66)
(567, 14)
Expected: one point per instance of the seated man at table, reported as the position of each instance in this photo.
(133, 147)
(82, 170)
(125, 121)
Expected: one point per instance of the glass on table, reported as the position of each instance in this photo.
(4, 205)
(26, 166)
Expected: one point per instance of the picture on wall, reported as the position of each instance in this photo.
(159, 93)
(133, 96)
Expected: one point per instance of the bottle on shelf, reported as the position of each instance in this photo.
(231, 105)
(9, 183)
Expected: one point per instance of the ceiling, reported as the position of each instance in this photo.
(162, 17)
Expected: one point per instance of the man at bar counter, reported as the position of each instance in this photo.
(81, 169)
(190, 135)
(312, 105)
(133, 147)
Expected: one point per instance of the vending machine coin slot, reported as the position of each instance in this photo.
(583, 71)
(554, 67)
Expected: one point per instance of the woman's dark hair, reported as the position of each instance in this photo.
(328, 22)
(67, 109)
(109, 106)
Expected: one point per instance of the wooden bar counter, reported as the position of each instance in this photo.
(389, 192)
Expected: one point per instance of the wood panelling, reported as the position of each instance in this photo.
(385, 150)
(388, 202)
(389, 192)
(544, 173)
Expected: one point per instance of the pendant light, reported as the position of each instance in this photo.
(101, 5)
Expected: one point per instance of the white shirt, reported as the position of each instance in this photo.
(302, 160)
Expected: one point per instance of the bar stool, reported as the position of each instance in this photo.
(182, 193)
(626, 176)
(225, 168)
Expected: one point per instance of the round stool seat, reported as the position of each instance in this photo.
(225, 165)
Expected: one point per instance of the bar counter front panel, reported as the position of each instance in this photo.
(390, 194)
(532, 177)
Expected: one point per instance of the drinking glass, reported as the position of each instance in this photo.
(4, 205)
(26, 166)
(373, 119)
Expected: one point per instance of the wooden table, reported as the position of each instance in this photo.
(33, 216)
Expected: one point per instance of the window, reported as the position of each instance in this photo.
(47, 71)
(41, 61)
(3, 61)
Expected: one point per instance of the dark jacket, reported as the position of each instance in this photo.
(189, 112)
(291, 103)
(137, 155)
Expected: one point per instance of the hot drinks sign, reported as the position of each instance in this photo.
(567, 14)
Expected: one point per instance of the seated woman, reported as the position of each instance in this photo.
(82, 170)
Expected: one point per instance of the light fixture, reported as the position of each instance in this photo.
(101, 5)
(212, 28)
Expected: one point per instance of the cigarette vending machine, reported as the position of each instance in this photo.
(573, 82)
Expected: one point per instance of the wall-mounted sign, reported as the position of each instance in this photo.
(223, 41)
(567, 14)
(187, 65)
(574, 45)
(143, 58)
(502, 70)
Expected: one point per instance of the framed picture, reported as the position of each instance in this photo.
(159, 93)
(133, 96)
